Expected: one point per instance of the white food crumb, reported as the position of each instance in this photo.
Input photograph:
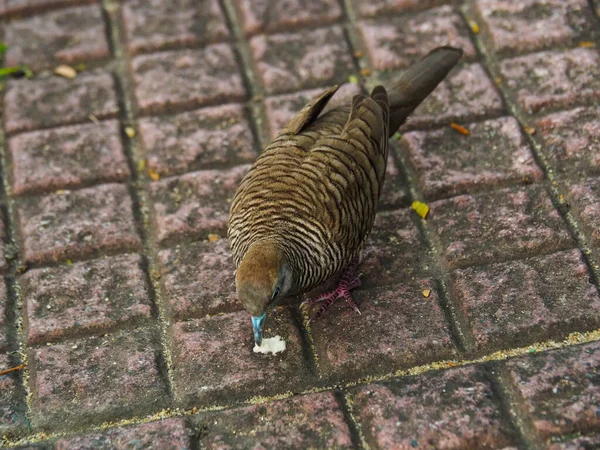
(270, 345)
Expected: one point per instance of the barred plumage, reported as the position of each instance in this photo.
(306, 206)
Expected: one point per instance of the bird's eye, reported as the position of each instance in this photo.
(275, 293)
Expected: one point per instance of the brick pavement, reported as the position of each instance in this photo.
(480, 324)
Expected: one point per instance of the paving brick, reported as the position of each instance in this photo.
(581, 443)
(87, 297)
(448, 163)
(77, 223)
(155, 25)
(376, 7)
(214, 362)
(187, 78)
(3, 255)
(20, 7)
(571, 140)
(395, 190)
(96, 379)
(200, 139)
(4, 324)
(12, 399)
(560, 388)
(67, 157)
(196, 203)
(451, 409)
(518, 303)
(398, 328)
(467, 94)
(169, 434)
(554, 79)
(519, 27)
(294, 61)
(190, 292)
(260, 16)
(66, 36)
(307, 421)
(398, 42)
(585, 201)
(47, 102)
(281, 109)
(510, 223)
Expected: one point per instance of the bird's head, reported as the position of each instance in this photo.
(261, 279)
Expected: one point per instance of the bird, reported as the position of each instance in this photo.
(304, 209)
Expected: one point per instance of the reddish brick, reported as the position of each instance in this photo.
(194, 293)
(196, 203)
(169, 434)
(282, 108)
(554, 79)
(21, 7)
(187, 78)
(571, 140)
(395, 193)
(197, 140)
(77, 223)
(259, 16)
(47, 102)
(87, 297)
(448, 163)
(585, 201)
(582, 443)
(12, 399)
(67, 157)
(155, 24)
(294, 61)
(532, 24)
(307, 421)
(214, 362)
(100, 378)
(560, 388)
(397, 328)
(398, 42)
(375, 7)
(66, 36)
(511, 223)
(467, 94)
(452, 409)
(394, 250)
(521, 302)
(4, 325)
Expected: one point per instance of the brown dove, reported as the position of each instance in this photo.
(304, 209)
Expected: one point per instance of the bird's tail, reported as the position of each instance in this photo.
(418, 81)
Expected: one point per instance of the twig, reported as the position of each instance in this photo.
(12, 369)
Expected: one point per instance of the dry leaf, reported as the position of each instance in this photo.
(459, 129)
(499, 81)
(65, 71)
(587, 44)
(421, 209)
(529, 130)
(155, 176)
(213, 237)
(365, 72)
(130, 132)
(453, 364)
(426, 293)
(358, 54)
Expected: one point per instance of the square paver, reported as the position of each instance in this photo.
(20, 7)
(395, 187)
(554, 79)
(87, 297)
(382, 7)
(582, 443)
(585, 201)
(518, 27)
(510, 223)
(261, 16)
(560, 388)
(67, 157)
(187, 78)
(214, 361)
(12, 399)
(169, 434)
(517, 303)
(398, 328)
(571, 140)
(66, 36)
(155, 25)
(4, 324)
(307, 421)
(307, 59)
(202, 139)
(451, 409)
(48, 102)
(76, 224)
(96, 379)
(196, 203)
(198, 279)
(495, 153)
(399, 42)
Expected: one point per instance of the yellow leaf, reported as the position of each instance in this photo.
(141, 165)
(130, 132)
(365, 72)
(474, 26)
(426, 293)
(421, 209)
(587, 44)
(65, 71)
(155, 176)
(213, 237)
(529, 130)
(353, 79)
(358, 54)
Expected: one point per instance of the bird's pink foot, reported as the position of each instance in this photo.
(349, 280)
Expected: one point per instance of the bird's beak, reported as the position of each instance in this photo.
(257, 322)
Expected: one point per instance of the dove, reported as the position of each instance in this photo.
(304, 209)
